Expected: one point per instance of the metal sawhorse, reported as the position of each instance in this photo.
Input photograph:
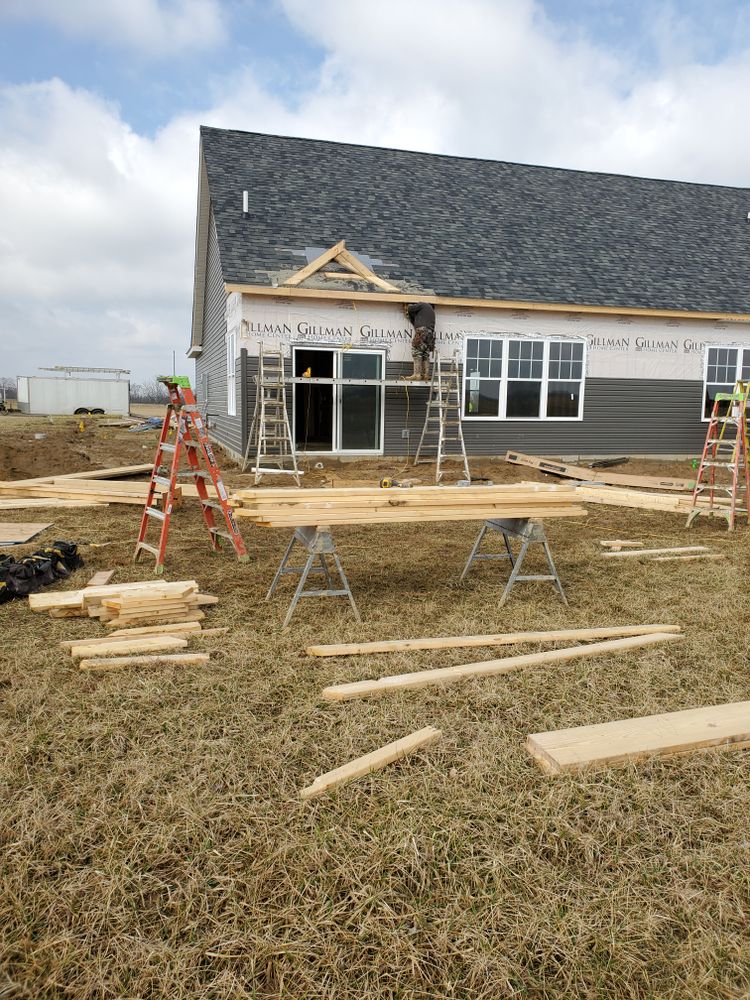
(529, 531)
(319, 544)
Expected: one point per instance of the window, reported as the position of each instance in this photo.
(231, 380)
(724, 367)
(511, 379)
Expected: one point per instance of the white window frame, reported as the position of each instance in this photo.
(504, 379)
(231, 374)
(338, 353)
(740, 348)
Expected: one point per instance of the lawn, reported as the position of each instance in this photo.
(153, 839)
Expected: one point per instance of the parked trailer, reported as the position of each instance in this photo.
(49, 395)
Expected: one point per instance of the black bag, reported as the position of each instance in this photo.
(42, 568)
(20, 580)
(68, 553)
(5, 592)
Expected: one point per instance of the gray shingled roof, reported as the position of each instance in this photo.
(479, 228)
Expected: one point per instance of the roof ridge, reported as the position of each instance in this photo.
(204, 129)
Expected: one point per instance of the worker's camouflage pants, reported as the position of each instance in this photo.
(422, 344)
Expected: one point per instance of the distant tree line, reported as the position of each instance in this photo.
(149, 391)
(8, 388)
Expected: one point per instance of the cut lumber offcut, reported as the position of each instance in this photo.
(101, 578)
(152, 619)
(702, 555)
(371, 761)
(621, 543)
(146, 643)
(206, 599)
(718, 726)
(637, 553)
(499, 639)
(93, 596)
(8, 503)
(18, 532)
(591, 475)
(191, 626)
(119, 662)
(489, 668)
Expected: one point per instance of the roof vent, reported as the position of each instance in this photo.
(245, 204)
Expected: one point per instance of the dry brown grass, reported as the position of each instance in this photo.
(153, 844)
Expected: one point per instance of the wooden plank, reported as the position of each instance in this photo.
(637, 553)
(29, 503)
(120, 662)
(150, 643)
(18, 532)
(621, 543)
(719, 726)
(128, 636)
(450, 300)
(371, 761)
(489, 668)
(498, 639)
(302, 518)
(191, 626)
(101, 578)
(121, 470)
(347, 259)
(315, 265)
(702, 555)
(153, 619)
(593, 475)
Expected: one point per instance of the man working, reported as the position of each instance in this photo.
(422, 317)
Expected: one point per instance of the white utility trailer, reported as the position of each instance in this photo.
(89, 391)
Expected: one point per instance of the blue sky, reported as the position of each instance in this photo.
(101, 100)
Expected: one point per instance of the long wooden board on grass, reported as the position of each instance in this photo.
(719, 726)
(592, 475)
(371, 761)
(489, 668)
(498, 639)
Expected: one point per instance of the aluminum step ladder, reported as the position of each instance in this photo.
(190, 440)
(270, 437)
(722, 486)
(442, 434)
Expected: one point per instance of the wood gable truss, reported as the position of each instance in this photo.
(353, 269)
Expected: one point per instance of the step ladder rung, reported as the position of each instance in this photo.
(154, 512)
(147, 548)
(163, 481)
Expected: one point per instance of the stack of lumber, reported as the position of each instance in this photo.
(558, 468)
(611, 496)
(95, 486)
(140, 647)
(284, 508)
(714, 726)
(127, 603)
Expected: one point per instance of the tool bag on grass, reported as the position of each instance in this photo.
(42, 569)
(16, 579)
(63, 556)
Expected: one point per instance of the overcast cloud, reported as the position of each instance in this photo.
(97, 221)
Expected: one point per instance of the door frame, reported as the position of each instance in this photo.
(338, 353)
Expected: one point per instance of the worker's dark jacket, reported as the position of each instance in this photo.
(422, 315)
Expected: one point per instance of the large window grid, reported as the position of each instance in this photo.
(724, 367)
(506, 378)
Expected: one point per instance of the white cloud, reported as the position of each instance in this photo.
(155, 27)
(97, 221)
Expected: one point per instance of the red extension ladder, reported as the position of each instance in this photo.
(192, 439)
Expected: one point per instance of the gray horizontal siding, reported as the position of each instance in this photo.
(228, 431)
(621, 417)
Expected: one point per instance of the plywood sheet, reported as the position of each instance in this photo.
(648, 736)
(18, 532)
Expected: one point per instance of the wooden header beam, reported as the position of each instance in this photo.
(285, 291)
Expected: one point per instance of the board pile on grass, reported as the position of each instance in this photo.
(128, 603)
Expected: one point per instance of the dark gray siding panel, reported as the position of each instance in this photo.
(211, 363)
(621, 417)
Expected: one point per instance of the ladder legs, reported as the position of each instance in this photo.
(442, 426)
